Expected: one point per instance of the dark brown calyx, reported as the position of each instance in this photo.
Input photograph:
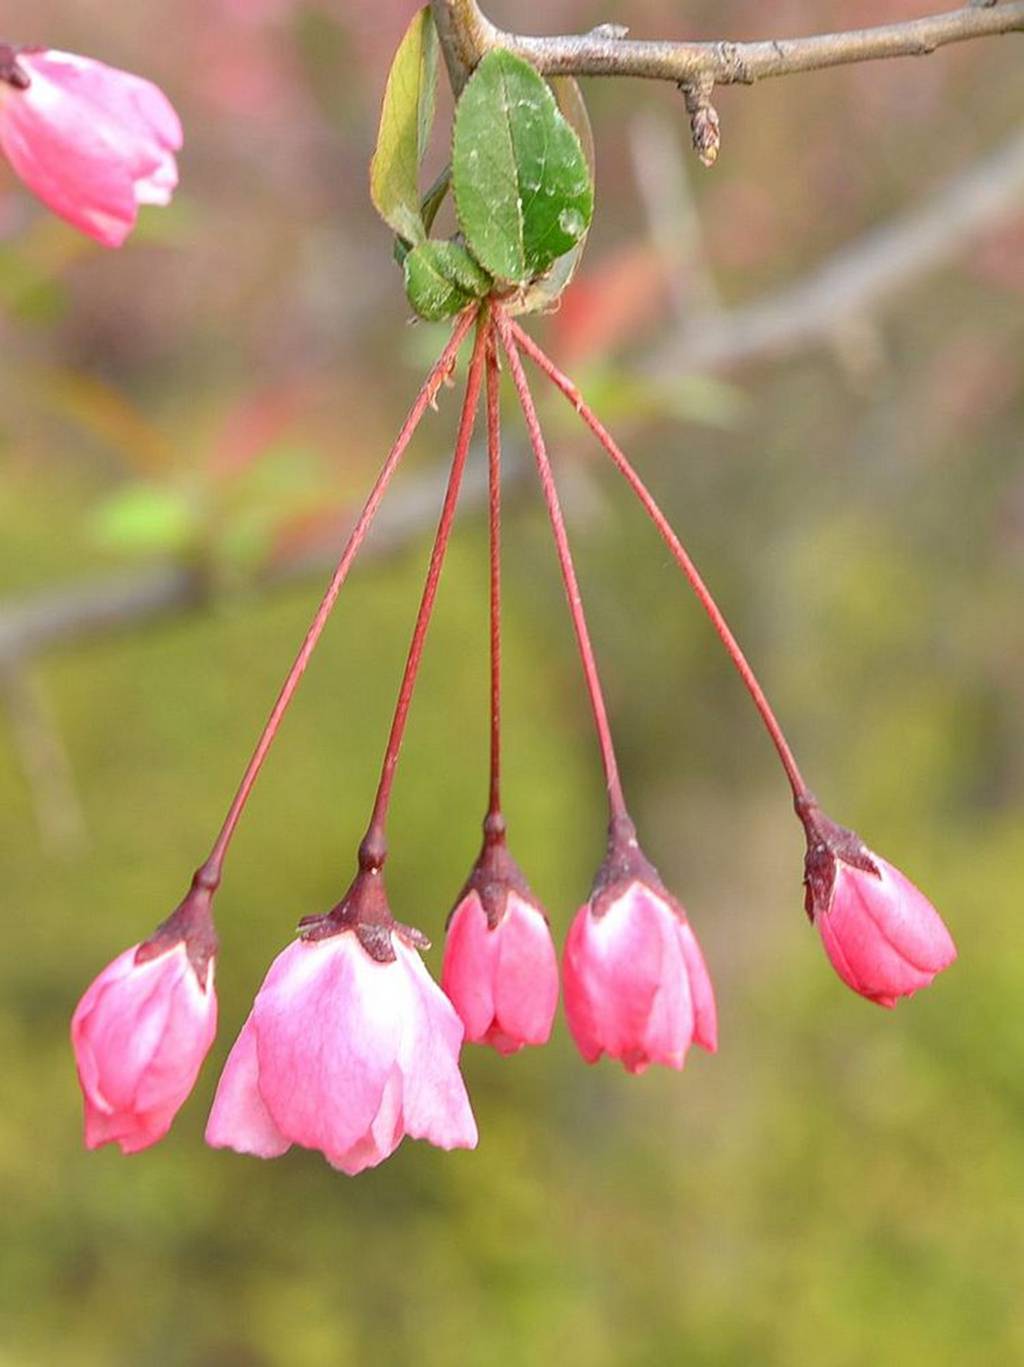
(827, 843)
(191, 924)
(494, 875)
(364, 910)
(626, 863)
(11, 70)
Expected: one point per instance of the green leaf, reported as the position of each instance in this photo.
(570, 101)
(434, 197)
(545, 293)
(441, 278)
(405, 122)
(523, 193)
(146, 518)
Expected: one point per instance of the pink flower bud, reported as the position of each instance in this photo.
(350, 1046)
(91, 141)
(142, 1029)
(636, 985)
(883, 936)
(500, 969)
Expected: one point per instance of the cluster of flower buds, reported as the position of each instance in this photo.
(350, 1044)
(92, 142)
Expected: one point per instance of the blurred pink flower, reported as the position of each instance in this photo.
(259, 11)
(140, 1034)
(345, 1051)
(91, 141)
(635, 982)
(501, 975)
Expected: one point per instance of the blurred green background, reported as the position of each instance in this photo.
(840, 1185)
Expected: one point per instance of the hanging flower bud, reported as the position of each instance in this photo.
(91, 141)
(883, 936)
(500, 969)
(636, 985)
(142, 1029)
(350, 1046)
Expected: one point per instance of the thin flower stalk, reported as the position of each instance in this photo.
(616, 800)
(209, 875)
(677, 550)
(495, 820)
(373, 850)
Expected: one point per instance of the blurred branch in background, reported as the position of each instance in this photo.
(675, 225)
(43, 759)
(840, 296)
(831, 305)
(844, 291)
(834, 305)
(66, 616)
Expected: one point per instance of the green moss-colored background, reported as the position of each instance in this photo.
(840, 1185)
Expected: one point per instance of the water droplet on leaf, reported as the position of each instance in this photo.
(571, 222)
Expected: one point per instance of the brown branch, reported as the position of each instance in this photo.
(467, 35)
(451, 24)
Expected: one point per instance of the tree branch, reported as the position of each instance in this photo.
(452, 23)
(467, 35)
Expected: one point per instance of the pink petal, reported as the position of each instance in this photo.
(91, 141)
(89, 190)
(132, 1132)
(129, 103)
(83, 1021)
(383, 1136)
(468, 968)
(328, 1021)
(188, 1033)
(908, 920)
(883, 936)
(239, 1119)
(526, 977)
(502, 982)
(705, 1012)
(636, 986)
(140, 1035)
(613, 971)
(434, 1103)
(578, 993)
(669, 1029)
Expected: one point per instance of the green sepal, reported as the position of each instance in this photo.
(441, 279)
